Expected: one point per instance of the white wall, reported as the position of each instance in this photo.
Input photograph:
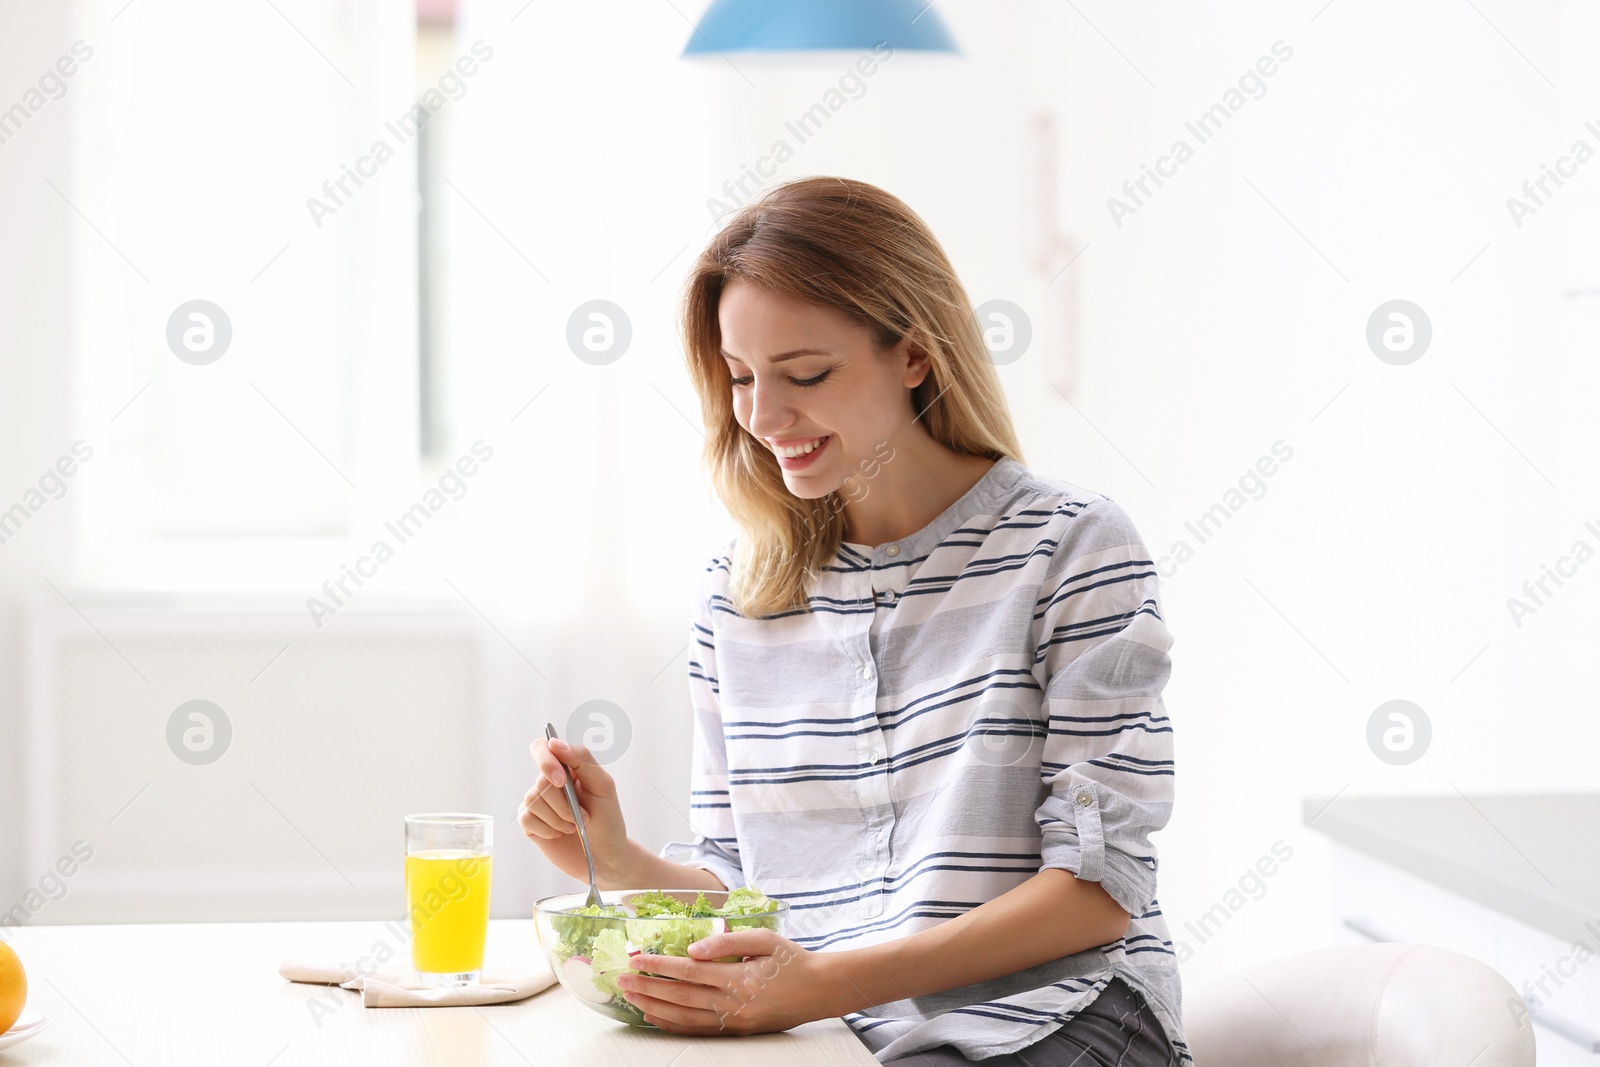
(1225, 315)
(36, 418)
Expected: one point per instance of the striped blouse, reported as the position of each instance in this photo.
(952, 713)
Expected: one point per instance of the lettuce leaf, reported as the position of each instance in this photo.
(667, 937)
(577, 928)
(658, 924)
(747, 900)
(655, 903)
(610, 960)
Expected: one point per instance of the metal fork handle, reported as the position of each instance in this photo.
(577, 817)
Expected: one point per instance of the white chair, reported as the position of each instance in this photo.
(1377, 1005)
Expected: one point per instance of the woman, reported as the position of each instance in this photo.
(926, 681)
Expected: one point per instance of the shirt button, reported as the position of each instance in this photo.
(883, 835)
(1083, 799)
(892, 550)
(866, 671)
(877, 755)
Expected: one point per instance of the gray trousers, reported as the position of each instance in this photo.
(1117, 1029)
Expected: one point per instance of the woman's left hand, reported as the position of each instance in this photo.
(777, 985)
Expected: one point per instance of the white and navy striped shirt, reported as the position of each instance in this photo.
(952, 713)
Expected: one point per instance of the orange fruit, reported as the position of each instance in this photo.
(13, 988)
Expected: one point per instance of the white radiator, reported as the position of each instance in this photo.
(336, 734)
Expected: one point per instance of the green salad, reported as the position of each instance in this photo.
(595, 943)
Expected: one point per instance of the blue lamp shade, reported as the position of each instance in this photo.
(807, 25)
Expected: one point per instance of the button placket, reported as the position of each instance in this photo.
(888, 582)
(873, 792)
(882, 805)
(872, 746)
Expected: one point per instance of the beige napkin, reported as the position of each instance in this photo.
(400, 988)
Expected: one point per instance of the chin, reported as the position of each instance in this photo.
(809, 488)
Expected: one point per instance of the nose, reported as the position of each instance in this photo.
(768, 412)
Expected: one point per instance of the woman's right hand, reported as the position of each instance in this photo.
(546, 818)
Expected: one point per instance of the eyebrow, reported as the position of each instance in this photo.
(786, 355)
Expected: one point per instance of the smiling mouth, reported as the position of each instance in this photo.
(802, 456)
(802, 449)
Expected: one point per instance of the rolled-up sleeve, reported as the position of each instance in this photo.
(715, 846)
(1102, 662)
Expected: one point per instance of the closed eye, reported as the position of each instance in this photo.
(804, 382)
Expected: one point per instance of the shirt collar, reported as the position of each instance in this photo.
(983, 498)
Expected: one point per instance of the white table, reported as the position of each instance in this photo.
(209, 994)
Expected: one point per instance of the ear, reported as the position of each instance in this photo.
(918, 365)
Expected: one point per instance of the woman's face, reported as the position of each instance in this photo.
(806, 375)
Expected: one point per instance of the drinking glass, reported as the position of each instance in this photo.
(448, 858)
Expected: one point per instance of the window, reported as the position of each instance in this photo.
(259, 129)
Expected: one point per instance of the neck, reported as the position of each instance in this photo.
(911, 489)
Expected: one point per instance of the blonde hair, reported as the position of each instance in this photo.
(864, 253)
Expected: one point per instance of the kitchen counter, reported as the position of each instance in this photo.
(1533, 858)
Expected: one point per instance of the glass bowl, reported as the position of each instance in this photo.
(588, 952)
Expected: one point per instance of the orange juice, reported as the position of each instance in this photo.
(447, 894)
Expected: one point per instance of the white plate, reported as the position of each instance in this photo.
(29, 1024)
